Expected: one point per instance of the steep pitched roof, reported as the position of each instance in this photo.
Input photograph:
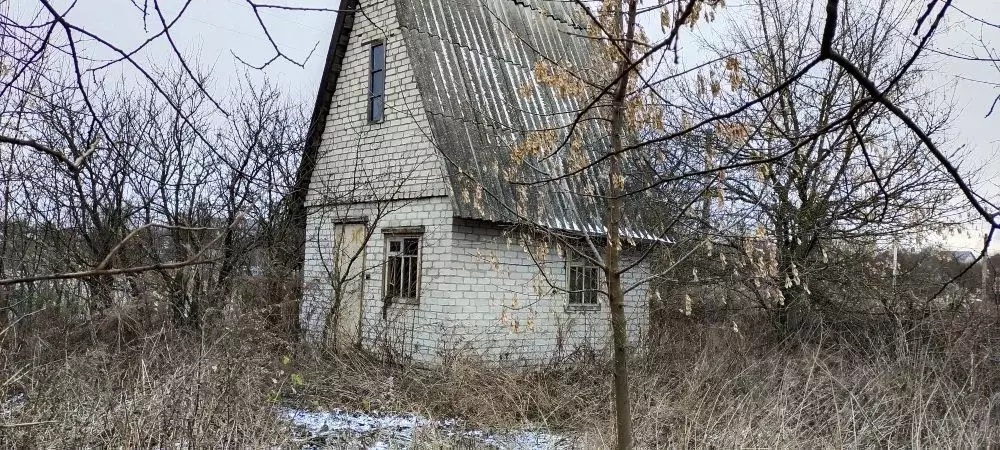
(471, 60)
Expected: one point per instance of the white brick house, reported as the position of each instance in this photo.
(418, 245)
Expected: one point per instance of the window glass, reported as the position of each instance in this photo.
(410, 246)
(402, 268)
(378, 56)
(377, 109)
(376, 83)
(584, 279)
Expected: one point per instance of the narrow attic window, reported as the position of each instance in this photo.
(584, 279)
(376, 83)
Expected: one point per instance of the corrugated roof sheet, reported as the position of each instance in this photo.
(470, 59)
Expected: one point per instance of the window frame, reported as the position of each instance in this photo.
(389, 238)
(575, 261)
(370, 96)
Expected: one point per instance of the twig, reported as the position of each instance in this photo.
(26, 424)
(11, 325)
(74, 165)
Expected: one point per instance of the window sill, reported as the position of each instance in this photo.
(583, 307)
(404, 301)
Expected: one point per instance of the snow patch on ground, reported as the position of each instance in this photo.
(11, 406)
(378, 431)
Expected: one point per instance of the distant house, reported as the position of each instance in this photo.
(412, 249)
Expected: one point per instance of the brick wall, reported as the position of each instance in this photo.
(482, 295)
(406, 331)
(508, 311)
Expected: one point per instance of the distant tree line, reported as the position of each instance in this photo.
(173, 200)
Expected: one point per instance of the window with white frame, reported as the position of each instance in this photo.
(402, 268)
(584, 281)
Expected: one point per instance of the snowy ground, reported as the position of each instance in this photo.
(10, 406)
(383, 431)
(375, 431)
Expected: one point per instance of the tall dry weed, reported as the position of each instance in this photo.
(859, 382)
(164, 388)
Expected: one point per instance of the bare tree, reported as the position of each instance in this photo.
(47, 53)
(158, 197)
(864, 181)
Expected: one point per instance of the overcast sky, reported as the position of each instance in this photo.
(215, 32)
(973, 98)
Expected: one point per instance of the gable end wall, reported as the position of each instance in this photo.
(359, 161)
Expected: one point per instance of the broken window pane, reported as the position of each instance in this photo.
(410, 246)
(590, 284)
(575, 284)
(411, 278)
(392, 271)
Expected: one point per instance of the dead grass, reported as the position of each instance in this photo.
(854, 384)
(481, 396)
(859, 383)
(168, 387)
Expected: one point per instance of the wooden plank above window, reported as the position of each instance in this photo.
(418, 229)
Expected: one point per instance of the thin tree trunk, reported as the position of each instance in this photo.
(616, 296)
(623, 413)
(5, 237)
